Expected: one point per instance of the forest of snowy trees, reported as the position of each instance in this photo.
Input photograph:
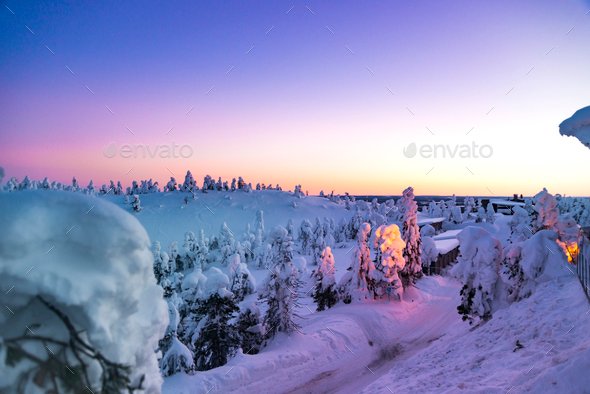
(217, 309)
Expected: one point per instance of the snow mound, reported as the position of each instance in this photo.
(92, 261)
(578, 125)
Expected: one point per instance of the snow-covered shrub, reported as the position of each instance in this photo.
(478, 267)
(520, 225)
(87, 293)
(324, 293)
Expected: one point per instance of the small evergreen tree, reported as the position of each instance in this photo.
(218, 340)
(325, 294)
(281, 290)
(250, 328)
(411, 236)
(358, 283)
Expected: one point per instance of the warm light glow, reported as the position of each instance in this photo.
(571, 249)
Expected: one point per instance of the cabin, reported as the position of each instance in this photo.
(447, 245)
(434, 222)
(505, 206)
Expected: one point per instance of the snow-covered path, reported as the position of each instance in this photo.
(342, 349)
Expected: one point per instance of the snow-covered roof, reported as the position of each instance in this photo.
(427, 220)
(448, 234)
(498, 201)
(578, 125)
(444, 246)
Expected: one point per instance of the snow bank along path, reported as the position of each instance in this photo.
(341, 349)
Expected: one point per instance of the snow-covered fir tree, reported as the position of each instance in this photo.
(136, 203)
(490, 214)
(218, 339)
(281, 290)
(358, 283)
(325, 294)
(177, 356)
(306, 237)
(389, 261)
(241, 280)
(478, 268)
(411, 237)
(250, 327)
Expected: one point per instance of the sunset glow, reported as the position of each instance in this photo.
(325, 95)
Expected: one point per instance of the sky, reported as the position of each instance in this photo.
(369, 97)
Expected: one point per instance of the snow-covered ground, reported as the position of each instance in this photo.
(421, 345)
(167, 217)
(417, 345)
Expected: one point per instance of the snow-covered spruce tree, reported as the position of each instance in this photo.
(389, 261)
(241, 280)
(411, 237)
(227, 244)
(478, 267)
(218, 340)
(136, 203)
(325, 294)
(189, 182)
(318, 242)
(291, 229)
(177, 357)
(545, 207)
(161, 267)
(250, 327)
(429, 252)
(281, 290)
(306, 237)
(358, 284)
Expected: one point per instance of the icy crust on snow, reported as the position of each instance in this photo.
(578, 125)
(93, 261)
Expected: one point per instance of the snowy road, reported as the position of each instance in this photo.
(341, 350)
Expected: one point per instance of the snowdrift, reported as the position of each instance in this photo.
(92, 261)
